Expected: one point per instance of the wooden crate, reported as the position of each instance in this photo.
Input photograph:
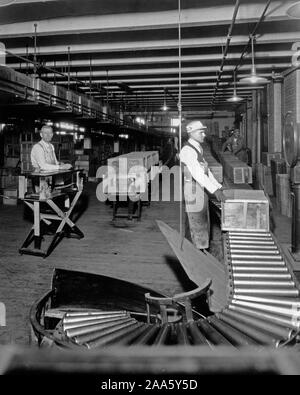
(245, 210)
(10, 196)
(283, 197)
(266, 157)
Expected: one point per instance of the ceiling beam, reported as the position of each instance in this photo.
(203, 42)
(204, 16)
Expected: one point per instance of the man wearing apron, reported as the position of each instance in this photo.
(197, 179)
(43, 155)
(43, 158)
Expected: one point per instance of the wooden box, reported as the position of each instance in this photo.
(10, 196)
(283, 196)
(245, 210)
(267, 156)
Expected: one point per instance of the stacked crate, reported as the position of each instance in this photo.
(83, 162)
(25, 154)
(283, 194)
(278, 166)
(214, 166)
(236, 170)
(263, 178)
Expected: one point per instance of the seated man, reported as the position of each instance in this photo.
(43, 155)
(43, 158)
(235, 144)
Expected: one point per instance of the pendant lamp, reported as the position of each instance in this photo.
(165, 107)
(235, 98)
(294, 10)
(253, 78)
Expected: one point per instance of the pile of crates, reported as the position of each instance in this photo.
(82, 161)
(236, 170)
(214, 166)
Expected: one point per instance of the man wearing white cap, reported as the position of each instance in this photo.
(197, 179)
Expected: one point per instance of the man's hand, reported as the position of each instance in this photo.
(220, 195)
(65, 166)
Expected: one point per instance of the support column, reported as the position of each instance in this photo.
(254, 128)
(275, 115)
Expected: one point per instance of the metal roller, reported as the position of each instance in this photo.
(278, 331)
(255, 251)
(112, 337)
(292, 302)
(182, 335)
(240, 262)
(237, 242)
(270, 292)
(250, 234)
(197, 336)
(133, 335)
(265, 284)
(251, 247)
(257, 334)
(250, 239)
(81, 324)
(253, 275)
(267, 316)
(87, 312)
(263, 269)
(83, 330)
(260, 256)
(281, 311)
(95, 334)
(162, 336)
(148, 335)
(73, 319)
(213, 335)
(236, 337)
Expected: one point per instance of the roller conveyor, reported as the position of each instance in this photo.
(263, 308)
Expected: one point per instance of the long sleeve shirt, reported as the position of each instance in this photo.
(197, 169)
(43, 156)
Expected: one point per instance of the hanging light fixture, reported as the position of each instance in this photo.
(253, 78)
(165, 107)
(294, 10)
(235, 98)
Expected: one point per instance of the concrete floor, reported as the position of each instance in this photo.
(137, 253)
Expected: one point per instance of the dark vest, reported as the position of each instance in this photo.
(200, 158)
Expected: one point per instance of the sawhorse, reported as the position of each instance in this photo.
(33, 241)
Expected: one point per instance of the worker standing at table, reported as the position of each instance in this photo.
(198, 180)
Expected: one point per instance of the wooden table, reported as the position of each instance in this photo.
(47, 209)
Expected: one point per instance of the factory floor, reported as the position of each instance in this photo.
(134, 250)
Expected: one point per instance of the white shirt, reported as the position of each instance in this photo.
(43, 156)
(189, 157)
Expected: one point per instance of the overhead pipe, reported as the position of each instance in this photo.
(229, 36)
(253, 34)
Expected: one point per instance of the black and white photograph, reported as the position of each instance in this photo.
(149, 192)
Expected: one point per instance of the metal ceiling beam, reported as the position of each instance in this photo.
(204, 42)
(155, 60)
(204, 16)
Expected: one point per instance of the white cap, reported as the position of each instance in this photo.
(195, 125)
